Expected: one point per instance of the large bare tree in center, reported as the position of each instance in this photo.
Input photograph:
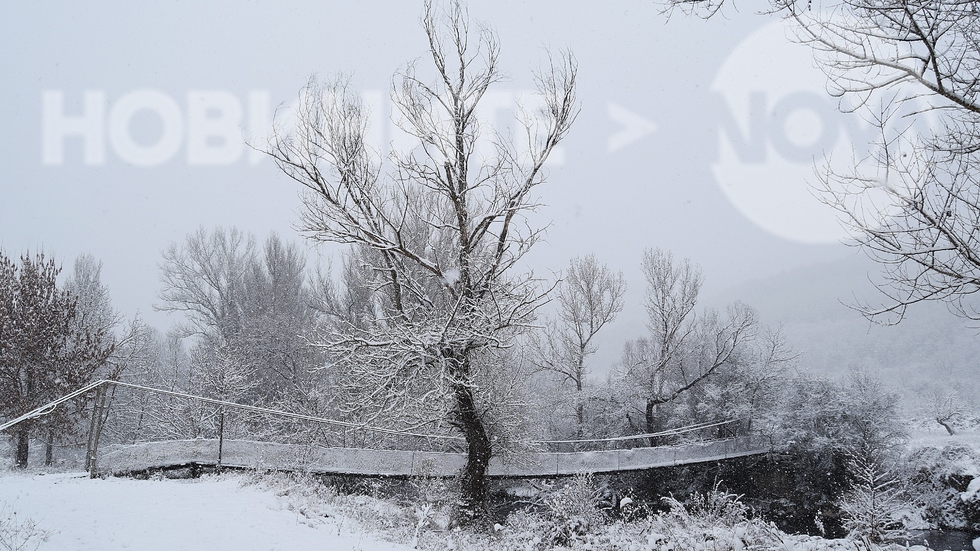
(439, 233)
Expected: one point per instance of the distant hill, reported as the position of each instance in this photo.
(930, 349)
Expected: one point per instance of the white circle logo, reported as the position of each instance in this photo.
(778, 123)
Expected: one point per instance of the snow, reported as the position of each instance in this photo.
(213, 513)
(451, 276)
(972, 491)
(939, 438)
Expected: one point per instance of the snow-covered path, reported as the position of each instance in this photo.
(146, 515)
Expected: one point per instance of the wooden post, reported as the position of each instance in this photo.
(49, 448)
(221, 435)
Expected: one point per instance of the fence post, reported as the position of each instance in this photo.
(221, 435)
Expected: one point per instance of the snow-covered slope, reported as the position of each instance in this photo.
(931, 350)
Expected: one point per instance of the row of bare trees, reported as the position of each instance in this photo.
(695, 365)
(244, 336)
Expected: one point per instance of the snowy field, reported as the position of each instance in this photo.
(213, 513)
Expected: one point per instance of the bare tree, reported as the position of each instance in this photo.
(278, 326)
(94, 304)
(589, 298)
(95, 316)
(912, 202)
(138, 355)
(746, 389)
(251, 313)
(684, 348)
(204, 278)
(440, 233)
(946, 408)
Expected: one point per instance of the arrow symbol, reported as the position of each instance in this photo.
(635, 127)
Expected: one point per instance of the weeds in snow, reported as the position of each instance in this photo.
(19, 534)
(572, 515)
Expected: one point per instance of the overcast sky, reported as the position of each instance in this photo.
(694, 136)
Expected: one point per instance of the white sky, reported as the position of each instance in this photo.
(615, 194)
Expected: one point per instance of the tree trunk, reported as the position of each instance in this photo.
(97, 432)
(22, 446)
(650, 419)
(49, 449)
(91, 429)
(473, 484)
(946, 425)
(653, 422)
(579, 406)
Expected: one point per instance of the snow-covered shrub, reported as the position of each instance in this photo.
(818, 422)
(524, 530)
(938, 478)
(715, 520)
(433, 503)
(874, 505)
(970, 499)
(716, 507)
(573, 510)
(569, 514)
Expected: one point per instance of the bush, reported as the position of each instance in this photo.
(573, 511)
(434, 503)
(715, 520)
(938, 478)
(569, 515)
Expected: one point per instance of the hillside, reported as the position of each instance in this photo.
(931, 349)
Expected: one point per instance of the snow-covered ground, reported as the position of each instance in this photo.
(254, 511)
(213, 513)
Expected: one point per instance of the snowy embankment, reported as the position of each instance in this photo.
(255, 511)
(213, 513)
